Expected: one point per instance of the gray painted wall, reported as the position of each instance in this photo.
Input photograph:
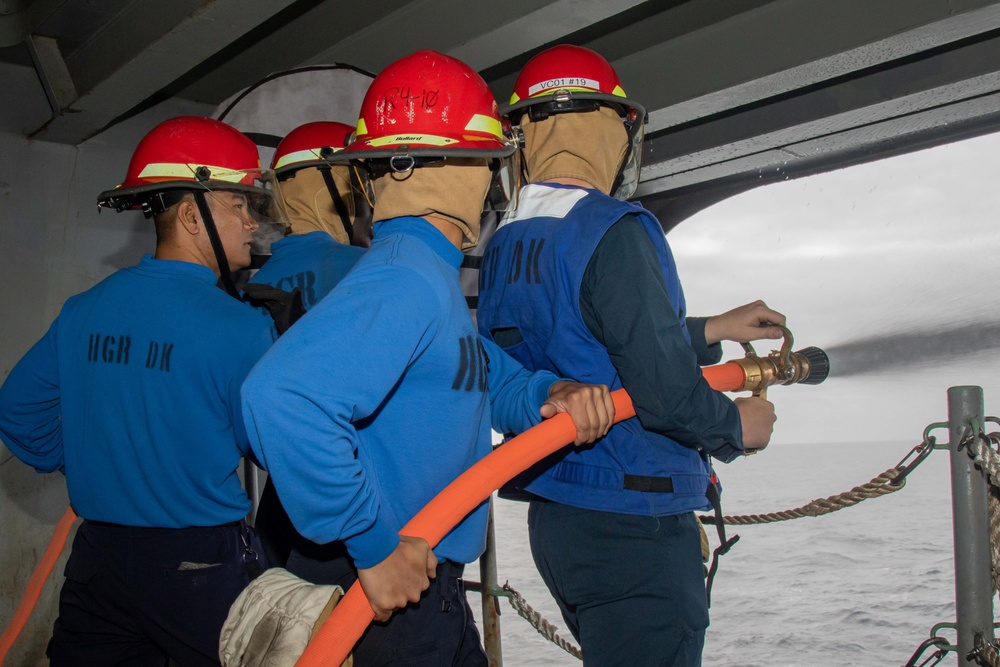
(54, 244)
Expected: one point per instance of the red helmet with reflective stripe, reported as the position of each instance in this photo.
(574, 72)
(569, 78)
(310, 145)
(187, 152)
(428, 105)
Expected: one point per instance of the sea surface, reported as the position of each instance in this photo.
(861, 586)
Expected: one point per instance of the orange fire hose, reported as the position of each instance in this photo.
(353, 614)
(343, 628)
(36, 583)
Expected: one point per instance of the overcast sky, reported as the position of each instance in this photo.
(908, 245)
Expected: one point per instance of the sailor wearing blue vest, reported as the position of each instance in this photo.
(358, 441)
(584, 285)
(133, 394)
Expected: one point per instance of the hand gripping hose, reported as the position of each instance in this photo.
(343, 628)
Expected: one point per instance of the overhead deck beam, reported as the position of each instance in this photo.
(785, 45)
(51, 68)
(731, 87)
(492, 33)
(913, 97)
(295, 44)
(706, 57)
(20, 18)
(145, 22)
(661, 21)
(724, 81)
(372, 35)
(202, 30)
(899, 135)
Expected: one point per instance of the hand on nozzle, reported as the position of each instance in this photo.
(400, 577)
(589, 406)
(744, 324)
(757, 416)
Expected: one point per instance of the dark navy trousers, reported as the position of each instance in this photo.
(438, 631)
(138, 596)
(630, 588)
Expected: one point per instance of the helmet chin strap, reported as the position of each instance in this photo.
(338, 202)
(217, 249)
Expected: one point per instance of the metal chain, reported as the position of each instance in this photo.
(985, 653)
(940, 646)
(544, 628)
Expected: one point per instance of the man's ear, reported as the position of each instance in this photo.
(188, 216)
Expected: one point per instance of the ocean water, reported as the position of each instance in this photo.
(861, 586)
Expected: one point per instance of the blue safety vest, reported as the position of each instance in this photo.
(530, 280)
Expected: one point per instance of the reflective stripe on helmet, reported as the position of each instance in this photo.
(310, 145)
(310, 155)
(406, 139)
(488, 124)
(567, 82)
(544, 89)
(168, 170)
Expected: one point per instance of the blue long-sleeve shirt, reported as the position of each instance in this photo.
(626, 306)
(134, 393)
(313, 262)
(361, 434)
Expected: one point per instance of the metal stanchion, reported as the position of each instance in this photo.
(973, 587)
(253, 485)
(491, 609)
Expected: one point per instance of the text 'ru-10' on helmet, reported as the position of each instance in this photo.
(567, 79)
(428, 107)
(191, 154)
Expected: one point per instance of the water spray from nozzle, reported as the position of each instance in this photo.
(904, 350)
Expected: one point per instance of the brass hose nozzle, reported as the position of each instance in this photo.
(807, 366)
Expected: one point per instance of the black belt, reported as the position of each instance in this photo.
(119, 526)
(449, 568)
(648, 484)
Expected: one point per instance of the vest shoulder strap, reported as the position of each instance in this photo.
(285, 307)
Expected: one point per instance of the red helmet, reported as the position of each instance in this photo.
(186, 153)
(310, 145)
(570, 78)
(428, 105)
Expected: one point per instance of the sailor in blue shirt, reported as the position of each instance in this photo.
(323, 205)
(583, 283)
(359, 440)
(133, 394)
(325, 209)
(312, 262)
